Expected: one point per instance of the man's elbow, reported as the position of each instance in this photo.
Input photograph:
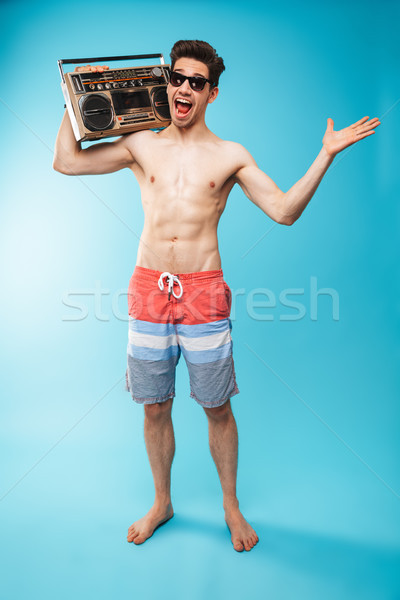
(282, 214)
(57, 167)
(62, 167)
(287, 220)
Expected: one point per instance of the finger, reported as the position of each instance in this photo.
(368, 127)
(360, 122)
(92, 68)
(329, 124)
(371, 122)
(360, 137)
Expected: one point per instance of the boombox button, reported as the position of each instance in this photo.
(115, 85)
(156, 72)
(99, 86)
(92, 86)
(107, 86)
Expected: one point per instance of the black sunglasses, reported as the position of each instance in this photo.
(196, 83)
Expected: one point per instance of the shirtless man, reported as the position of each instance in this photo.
(185, 174)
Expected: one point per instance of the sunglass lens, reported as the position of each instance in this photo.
(175, 79)
(197, 83)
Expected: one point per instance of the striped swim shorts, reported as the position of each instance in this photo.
(172, 314)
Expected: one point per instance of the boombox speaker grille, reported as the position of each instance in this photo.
(97, 113)
(160, 103)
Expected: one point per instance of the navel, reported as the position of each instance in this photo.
(174, 239)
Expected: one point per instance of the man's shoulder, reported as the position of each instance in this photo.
(138, 137)
(233, 146)
(234, 149)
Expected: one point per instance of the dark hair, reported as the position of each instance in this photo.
(199, 51)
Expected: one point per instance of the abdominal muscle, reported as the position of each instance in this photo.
(179, 237)
(179, 256)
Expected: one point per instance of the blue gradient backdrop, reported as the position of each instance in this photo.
(318, 409)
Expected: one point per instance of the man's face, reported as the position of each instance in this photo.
(187, 106)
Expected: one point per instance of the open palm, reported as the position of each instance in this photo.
(336, 141)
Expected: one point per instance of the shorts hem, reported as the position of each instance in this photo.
(158, 400)
(151, 400)
(218, 402)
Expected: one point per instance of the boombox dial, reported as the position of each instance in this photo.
(156, 72)
(97, 112)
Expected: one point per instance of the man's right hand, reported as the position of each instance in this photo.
(96, 69)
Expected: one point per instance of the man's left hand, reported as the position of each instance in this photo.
(336, 141)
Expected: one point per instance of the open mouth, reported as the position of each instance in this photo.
(182, 107)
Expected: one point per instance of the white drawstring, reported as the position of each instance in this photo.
(171, 279)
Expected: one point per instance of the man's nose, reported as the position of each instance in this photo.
(185, 87)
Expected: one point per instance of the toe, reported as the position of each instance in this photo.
(130, 539)
(139, 539)
(238, 546)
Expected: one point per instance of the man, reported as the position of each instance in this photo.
(178, 299)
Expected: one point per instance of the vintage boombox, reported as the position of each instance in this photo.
(116, 101)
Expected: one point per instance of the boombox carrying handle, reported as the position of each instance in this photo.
(78, 61)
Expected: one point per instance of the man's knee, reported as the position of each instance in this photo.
(219, 413)
(158, 410)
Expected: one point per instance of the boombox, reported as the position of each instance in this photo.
(116, 101)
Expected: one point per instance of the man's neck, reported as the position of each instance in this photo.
(197, 132)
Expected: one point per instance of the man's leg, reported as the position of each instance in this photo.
(223, 438)
(160, 445)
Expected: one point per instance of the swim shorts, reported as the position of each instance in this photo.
(172, 314)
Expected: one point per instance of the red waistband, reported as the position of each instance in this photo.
(145, 273)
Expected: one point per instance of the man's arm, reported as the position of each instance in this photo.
(105, 157)
(286, 207)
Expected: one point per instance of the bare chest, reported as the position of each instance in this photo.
(182, 172)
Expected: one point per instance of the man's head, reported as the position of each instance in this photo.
(196, 67)
(202, 52)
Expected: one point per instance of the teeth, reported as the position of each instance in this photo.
(183, 101)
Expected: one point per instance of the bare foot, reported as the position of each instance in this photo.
(144, 528)
(243, 535)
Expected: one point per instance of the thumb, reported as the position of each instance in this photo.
(330, 124)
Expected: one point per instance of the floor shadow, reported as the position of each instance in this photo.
(345, 562)
(328, 557)
(198, 525)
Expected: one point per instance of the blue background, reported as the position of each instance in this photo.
(318, 411)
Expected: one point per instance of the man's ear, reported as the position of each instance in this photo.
(213, 95)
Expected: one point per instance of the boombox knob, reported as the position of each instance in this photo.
(156, 72)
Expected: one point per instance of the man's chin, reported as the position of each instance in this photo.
(182, 123)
